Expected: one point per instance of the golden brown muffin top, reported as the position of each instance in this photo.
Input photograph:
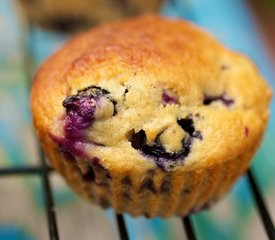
(163, 93)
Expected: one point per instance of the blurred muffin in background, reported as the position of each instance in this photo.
(75, 15)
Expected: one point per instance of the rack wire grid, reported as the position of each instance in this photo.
(43, 170)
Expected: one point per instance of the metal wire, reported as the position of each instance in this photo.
(262, 208)
(121, 227)
(25, 170)
(48, 196)
(189, 230)
(44, 170)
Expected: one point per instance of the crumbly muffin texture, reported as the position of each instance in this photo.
(151, 116)
(74, 15)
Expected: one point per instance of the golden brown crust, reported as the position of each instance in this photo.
(177, 55)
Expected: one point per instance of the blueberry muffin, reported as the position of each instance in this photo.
(74, 15)
(150, 116)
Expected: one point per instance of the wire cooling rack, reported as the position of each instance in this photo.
(43, 171)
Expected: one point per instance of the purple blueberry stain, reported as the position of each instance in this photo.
(81, 109)
(70, 148)
(228, 102)
(163, 158)
(168, 98)
(80, 114)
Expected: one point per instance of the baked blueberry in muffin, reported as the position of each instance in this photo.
(165, 158)
(150, 116)
(81, 110)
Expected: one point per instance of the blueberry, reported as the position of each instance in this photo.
(187, 124)
(69, 147)
(102, 92)
(163, 158)
(223, 98)
(169, 98)
(81, 110)
(138, 139)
